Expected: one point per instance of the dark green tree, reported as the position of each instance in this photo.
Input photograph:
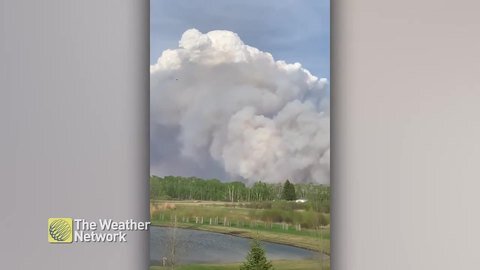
(289, 191)
(256, 259)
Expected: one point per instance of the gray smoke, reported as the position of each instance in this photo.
(229, 107)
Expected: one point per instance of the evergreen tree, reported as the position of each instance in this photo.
(256, 259)
(289, 191)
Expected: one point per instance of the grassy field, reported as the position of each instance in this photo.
(278, 265)
(235, 219)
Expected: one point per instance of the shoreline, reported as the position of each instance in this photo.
(244, 234)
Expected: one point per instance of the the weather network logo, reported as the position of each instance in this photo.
(60, 230)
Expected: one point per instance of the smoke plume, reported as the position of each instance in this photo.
(218, 104)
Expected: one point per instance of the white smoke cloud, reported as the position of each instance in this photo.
(257, 118)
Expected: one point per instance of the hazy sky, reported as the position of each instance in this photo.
(291, 30)
(199, 112)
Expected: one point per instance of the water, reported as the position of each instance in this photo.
(206, 247)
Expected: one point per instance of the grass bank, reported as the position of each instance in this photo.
(278, 265)
(300, 241)
(230, 218)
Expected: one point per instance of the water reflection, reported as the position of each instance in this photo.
(191, 246)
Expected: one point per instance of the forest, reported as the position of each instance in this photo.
(259, 194)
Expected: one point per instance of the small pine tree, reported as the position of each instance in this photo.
(256, 259)
(289, 191)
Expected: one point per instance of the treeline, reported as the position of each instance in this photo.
(193, 188)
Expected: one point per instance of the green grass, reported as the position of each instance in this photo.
(238, 213)
(239, 222)
(278, 265)
(307, 242)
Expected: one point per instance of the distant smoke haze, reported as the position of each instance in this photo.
(220, 108)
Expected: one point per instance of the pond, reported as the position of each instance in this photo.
(192, 246)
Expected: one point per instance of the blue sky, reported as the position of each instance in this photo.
(291, 30)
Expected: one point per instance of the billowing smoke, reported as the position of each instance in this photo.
(232, 104)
